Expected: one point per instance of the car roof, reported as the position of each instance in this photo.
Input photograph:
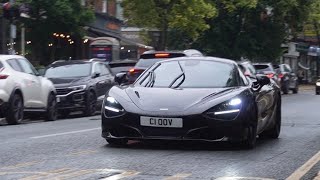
(69, 62)
(206, 58)
(187, 52)
(123, 61)
(263, 63)
(5, 56)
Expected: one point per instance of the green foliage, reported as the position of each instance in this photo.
(188, 16)
(48, 17)
(252, 29)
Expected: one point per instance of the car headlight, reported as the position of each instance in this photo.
(78, 88)
(227, 110)
(317, 83)
(112, 107)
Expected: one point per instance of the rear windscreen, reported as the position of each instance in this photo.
(263, 68)
(147, 60)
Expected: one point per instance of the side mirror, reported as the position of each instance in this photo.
(263, 80)
(120, 78)
(41, 72)
(95, 75)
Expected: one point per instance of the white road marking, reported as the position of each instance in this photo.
(178, 177)
(65, 133)
(242, 178)
(300, 172)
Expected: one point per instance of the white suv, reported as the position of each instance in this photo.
(23, 90)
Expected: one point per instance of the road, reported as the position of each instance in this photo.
(73, 149)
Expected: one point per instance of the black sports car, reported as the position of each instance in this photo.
(193, 98)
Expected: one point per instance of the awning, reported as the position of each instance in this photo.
(101, 32)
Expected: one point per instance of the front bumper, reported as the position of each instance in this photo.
(195, 127)
(74, 101)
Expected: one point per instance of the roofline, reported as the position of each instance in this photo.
(205, 58)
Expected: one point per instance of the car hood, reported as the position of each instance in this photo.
(172, 100)
(67, 82)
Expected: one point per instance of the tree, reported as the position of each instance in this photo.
(252, 29)
(48, 17)
(314, 18)
(188, 16)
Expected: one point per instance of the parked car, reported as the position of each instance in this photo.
(268, 70)
(22, 89)
(288, 79)
(318, 87)
(148, 58)
(248, 69)
(81, 85)
(122, 66)
(198, 98)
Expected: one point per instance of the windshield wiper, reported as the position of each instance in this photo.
(183, 75)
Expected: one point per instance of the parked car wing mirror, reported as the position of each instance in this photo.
(120, 78)
(95, 75)
(263, 80)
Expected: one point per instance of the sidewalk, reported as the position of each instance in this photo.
(307, 87)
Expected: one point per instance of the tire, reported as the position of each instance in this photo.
(15, 110)
(251, 133)
(117, 142)
(51, 114)
(285, 89)
(317, 93)
(274, 132)
(296, 89)
(91, 104)
(64, 113)
(251, 137)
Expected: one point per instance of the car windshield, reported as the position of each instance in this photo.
(68, 71)
(191, 74)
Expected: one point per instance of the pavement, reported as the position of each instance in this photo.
(73, 149)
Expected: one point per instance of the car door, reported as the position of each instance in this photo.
(101, 80)
(265, 101)
(34, 84)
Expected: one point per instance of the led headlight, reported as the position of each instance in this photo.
(318, 83)
(112, 107)
(227, 110)
(78, 88)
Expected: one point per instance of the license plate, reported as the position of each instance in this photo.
(161, 122)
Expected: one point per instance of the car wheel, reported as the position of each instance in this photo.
(117, 142)
(317, 93)
(15, 110)
(51, 113)
(296, 89)
(274, 132)
(285, 89)
(91, 104)
(251, 137)
(64, 113)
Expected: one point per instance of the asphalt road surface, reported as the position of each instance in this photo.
(73, 149)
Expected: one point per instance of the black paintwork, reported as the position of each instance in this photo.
(192, 105)
(95, 82)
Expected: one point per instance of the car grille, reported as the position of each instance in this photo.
(63, 91)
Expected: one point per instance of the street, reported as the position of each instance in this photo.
(73, 149)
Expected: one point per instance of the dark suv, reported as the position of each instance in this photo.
(80, 84)
(288, 79)
(268, 70)
(147, 59)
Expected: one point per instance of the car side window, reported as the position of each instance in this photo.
(27, 67)
(288, 69)
(105, 69)
(96, 68)
(14, 65)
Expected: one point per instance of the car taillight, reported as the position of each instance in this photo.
(270, 75)
(3, 76)
(281, 75)
(134, 71)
